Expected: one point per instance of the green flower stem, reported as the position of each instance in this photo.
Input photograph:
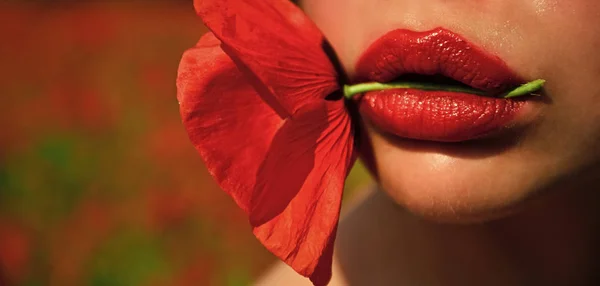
(527, 88)
(351, 90)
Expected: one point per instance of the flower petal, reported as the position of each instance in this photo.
(225, 119)
(276, 44)
(287, 174)
(310, 172)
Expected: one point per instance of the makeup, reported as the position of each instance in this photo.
(454, 91)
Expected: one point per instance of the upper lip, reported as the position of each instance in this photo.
(434, 52)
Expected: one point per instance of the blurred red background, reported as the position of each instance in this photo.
(99, 184)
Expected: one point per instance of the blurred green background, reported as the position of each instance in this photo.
(99, 184)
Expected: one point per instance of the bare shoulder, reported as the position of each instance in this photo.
(282, 274)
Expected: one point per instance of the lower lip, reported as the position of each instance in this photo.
(438, 115)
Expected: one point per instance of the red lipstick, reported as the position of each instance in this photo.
(436, 115)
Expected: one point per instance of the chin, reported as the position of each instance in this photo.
(453, 183)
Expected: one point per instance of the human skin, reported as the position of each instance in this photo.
(556, 40)
(532, 194)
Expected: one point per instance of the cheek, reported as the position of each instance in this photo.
(343, 24)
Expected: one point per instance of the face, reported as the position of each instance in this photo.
(556, 40)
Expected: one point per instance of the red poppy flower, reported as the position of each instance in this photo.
(260, 100)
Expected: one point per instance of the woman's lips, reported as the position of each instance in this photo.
(436, 115)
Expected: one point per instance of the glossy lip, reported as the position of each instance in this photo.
(437, 115)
